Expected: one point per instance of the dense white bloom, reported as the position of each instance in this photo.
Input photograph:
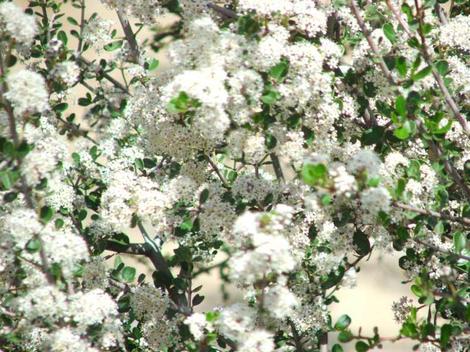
(45, 302)
(21, 225)
(65, 340)
(197, 323)
(266, 7)
(92, 307)
(27, 92)
(280, 301)
(20, 26)
(159, 333)
(149, 302)
(365, 161)
(67, 72)
(257, 341)
(97, 31)
(236, 320)
(456, 34)
(375, 199)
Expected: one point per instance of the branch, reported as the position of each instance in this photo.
(130, 36)
(372, 45)
(437, 249)
(277, 167)
(130, 248)
(82, 25)
(85, 64)
(461, 220)
(227, 13)
(161, 265)
(217, 171)
(452, 105)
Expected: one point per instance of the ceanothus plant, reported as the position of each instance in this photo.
(294, 136)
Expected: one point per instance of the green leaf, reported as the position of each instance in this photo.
(46, 214)
(72, 21)
(182, 103)
(446, 333)
(337, 348)
(460, 241)
(345, 336)
(361, 346)
(10, 197)
(113, 46)
(204, 196)
(400, 64)
(197, 300)
(128, 274)
(6, 179)
(418, 291)
(343, 322)
(270, 97)
(279, 72)
(33, 245)
(422, 73)
(405, 131)
(152, 64)
(442, 67)
(390, 32)
(62, 37)
(400, 106)
(248, 26)
(361, 243)
(84, 101)
(61, 107)
(314, 174)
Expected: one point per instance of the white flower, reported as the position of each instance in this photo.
(67, 72)
(236, 320)
(93, 307)
(455, 33)
(280, 301)
(66, 340)
(376, 199)
(19, 25)
(257, 341)
(27, 92)
(197, 323)
(365, 161)
(149, 302)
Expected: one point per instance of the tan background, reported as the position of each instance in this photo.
(378, 284)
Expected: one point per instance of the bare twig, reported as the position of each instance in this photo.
(223, 11)
(435, 214)
(82, 25)
(86, 64)
(130, 36)
(277, 167)
(217, 171)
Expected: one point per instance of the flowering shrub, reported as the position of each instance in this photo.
(294, 136)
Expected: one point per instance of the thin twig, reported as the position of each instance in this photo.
(277, 167)
(86, 64)
(217, 171)
(223, 11)
(130, 36)
(435, 214)
(82, 25)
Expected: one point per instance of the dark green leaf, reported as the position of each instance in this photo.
(345, 336)
(343, 322)
(113, 46)
(361, 243)
(33, 245)
(460, 241)
(270, 97)
(401, 66)
(62, 37)
(204, 196)
(314, 174)
(390, 32)
(337, 348)
(279, 72)
(72, 21)
(400, 106)
(442, 67)
(46, 214)
(422, 73)
(197, 299)
(446, 333)
(128, 274)
(361, 346)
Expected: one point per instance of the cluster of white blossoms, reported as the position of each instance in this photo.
(18, 25)
(294, 136)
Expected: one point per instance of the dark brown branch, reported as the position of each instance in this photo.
(227, 13)
(130, 248)
(130, 37)
(435, 214)
(84, 63)
(277, 167)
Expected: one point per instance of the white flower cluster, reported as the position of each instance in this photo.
(20, 26)
(455, 33)
(27, 92)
